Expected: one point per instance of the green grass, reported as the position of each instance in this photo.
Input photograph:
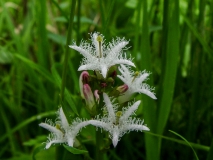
(38, 72)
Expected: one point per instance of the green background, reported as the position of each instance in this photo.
(173, 39)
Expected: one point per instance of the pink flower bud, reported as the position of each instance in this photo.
(114, 74)
(97, 97)
(88, 95)
(84, 79)
(122, 88)
(103, 85)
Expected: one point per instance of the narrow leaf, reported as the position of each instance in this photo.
(75, 150)
(186, 142)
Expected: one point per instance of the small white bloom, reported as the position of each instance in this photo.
(118, 123)
(57, 129)
(100, 56)
(135, 83)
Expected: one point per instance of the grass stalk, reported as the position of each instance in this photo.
(66, 58)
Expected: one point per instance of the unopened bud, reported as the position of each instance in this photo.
(84, 79)
(110, 79)
(122, 88)
(112, 71)
(88, 95)
(97, 97)
(103, 85)
(114, 74)
(119, 90)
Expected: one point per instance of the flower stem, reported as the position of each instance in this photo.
(72, 12)
(99, 135)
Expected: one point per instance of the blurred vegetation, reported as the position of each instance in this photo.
(173, 39)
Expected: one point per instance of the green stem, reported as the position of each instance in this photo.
(72, 12)
(99, 135)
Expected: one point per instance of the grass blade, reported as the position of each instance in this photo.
(186, 142)
(171, 52)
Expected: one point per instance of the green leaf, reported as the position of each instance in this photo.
(194, 145)
(38, 149)
(5, 56)
(37, 67)
(60, 39)
(35, 141)
(170, 61)
(75, 150)
(210, 154)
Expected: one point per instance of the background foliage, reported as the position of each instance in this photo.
(173, 39)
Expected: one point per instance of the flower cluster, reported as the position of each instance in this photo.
(115, 115)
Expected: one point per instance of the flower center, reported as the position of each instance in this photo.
(118, 115)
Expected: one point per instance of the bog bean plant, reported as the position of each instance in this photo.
(106, 79)
(115, 114)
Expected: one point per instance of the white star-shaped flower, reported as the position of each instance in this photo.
(58, 129)
(135, 83)
(118, 123)
(100, 56)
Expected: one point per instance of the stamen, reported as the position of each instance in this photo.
(135, 75)
(57, 126)
(99, 39)
(118, 115)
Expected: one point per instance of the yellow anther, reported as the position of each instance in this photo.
(135, 75)
(99, 38)
(118, 114)
(57, 126)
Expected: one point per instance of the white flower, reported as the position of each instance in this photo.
(58, 129)
(61, 131)
(135, 83)
(117, 123)
(100, 56)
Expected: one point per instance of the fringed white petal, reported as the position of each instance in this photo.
(63, 119)
(123, 61)
(70, 141)
(100, 124)
(115, 136)
(129, 111)
(109, 106)
(86, 67)
(117, 48)
(135, 127)
(141, 78)
(54, 142)
(51, 129)
(122, 78)
(147, 92)
(82, 51)
(104, 70)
